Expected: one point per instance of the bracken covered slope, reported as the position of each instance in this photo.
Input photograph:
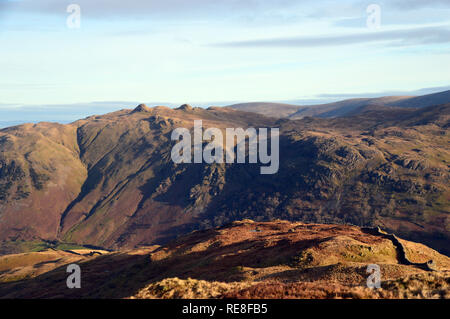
(245, 259)
(108, 181)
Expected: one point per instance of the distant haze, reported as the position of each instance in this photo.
(13, 114)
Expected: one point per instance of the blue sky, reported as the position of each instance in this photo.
(215, 52)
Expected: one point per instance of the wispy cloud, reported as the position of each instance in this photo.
(405, 37)
(152, 49)
(417, 4)
(133, 8)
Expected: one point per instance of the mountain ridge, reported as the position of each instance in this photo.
(108, 180)
(344, 107)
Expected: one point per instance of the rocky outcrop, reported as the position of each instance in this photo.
(141, 108)
(401, 251)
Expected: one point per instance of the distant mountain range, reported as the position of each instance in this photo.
(342, 108)
(11, 115)
(277, 110)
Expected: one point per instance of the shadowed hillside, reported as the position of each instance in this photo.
(108, 181)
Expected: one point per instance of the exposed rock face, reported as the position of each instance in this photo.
(185, 107)
(142, 108)
(109, 181)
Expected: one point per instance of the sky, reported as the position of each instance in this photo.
(217, 51)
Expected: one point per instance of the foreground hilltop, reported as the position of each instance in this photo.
(108, 181)
(245, 259)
